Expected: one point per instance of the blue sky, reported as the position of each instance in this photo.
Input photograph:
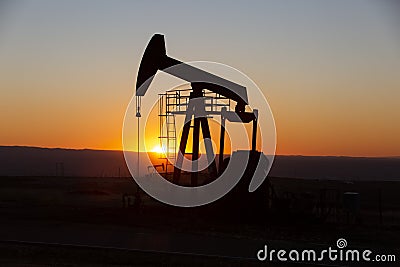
(328, 68)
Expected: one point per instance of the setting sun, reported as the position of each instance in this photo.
(157, 149)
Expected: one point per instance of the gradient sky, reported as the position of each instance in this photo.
(329, 69)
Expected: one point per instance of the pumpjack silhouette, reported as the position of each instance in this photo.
(201, 101)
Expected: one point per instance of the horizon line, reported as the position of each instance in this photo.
(121, 150)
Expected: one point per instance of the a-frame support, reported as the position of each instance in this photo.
(196, 109)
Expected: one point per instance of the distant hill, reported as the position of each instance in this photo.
(34, 161)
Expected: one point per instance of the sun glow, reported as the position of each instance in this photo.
(157, 149)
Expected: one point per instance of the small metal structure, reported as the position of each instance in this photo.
(174, 103)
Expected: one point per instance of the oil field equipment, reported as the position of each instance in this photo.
(208, 95)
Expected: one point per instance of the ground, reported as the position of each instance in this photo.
(81, 221)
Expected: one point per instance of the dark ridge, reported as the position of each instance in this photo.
(35, 161)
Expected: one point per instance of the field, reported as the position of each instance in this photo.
(80, 214)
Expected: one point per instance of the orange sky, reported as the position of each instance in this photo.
(330, 72)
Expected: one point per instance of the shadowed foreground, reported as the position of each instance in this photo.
(82, 221)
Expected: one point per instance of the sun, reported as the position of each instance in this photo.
(157, 149)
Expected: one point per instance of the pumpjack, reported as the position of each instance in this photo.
(196, 114)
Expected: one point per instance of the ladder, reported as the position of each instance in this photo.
(170, 145)
(167, 130)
